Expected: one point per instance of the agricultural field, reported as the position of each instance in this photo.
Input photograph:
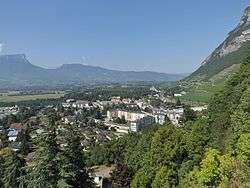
(18, 98)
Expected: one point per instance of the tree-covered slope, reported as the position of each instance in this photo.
(211, 150)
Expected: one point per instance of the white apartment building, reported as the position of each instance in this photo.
(136, 120)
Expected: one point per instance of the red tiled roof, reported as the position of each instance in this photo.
(16, 126)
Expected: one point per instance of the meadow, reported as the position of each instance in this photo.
(19, 98)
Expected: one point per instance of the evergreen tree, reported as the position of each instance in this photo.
(1, 171)
(178, 101)
(3, 139)
(72, 165)
(25, 141)
(13, 170)
(43, 171)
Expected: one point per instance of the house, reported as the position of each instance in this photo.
(139, 103)
(120, 128)
(102, 175)
(12, 135)
(14, 130)
(127, 101)
(5, 111)
(66, 105)
(199, 108)
(154, 89)
(69, 120)
(81, 104)
(102, 104)
(175, 114)
(70, 100)
(160, 118)
(17, 126)
(177, 94)
(116, 100)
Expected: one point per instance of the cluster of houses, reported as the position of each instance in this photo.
(135, 120)
(136, 115)
(5, 111)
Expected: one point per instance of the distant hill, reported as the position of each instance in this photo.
(17, 71)
(224, 59)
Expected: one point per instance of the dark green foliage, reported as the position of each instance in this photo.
(188, 115)
(130, 148)
(12, 170)
(25, 141)
(178, 101)
(120, 120)
(106, 93)
(226, 104)
(121, 177)
(44, 172)
(210, 151)
(72, 165)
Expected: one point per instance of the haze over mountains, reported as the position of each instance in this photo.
(17, 71)
(225, 59)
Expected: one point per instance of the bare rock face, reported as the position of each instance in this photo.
(235, 39)
(228, 53)
(242, 32)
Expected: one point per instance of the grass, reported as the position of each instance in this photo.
(19, 98)
(201, 94)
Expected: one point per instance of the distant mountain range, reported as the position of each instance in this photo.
(226, 58)
(17, 71)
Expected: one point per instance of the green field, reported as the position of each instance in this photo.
(19, 98)
(202, 93)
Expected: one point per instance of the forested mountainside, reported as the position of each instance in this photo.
(227, 54)
(207, 151)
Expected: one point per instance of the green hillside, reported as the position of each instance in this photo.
(211, 150)
(217, 64)
(226, 56)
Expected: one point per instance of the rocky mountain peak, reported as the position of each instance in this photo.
(228, 53)
(14, 59)
(236, 38)
(247, 11)
(245, 19)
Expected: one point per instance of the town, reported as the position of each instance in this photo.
(100, 120)
(97, 121)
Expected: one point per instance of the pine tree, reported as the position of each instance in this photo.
(43, 171)
(1, 171)
(4, 139)
(13, 170)
(178, 102)
(72, 169)
(25, 140)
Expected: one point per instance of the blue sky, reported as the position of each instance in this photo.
(157, 35)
